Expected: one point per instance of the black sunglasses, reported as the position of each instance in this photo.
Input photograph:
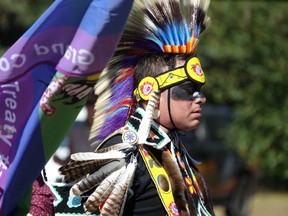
(188, 91)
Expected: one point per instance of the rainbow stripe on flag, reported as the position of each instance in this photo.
(45, 79)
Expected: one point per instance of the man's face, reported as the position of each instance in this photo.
(184, 113)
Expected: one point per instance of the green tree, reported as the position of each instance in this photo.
(244, 55)
(15, 18)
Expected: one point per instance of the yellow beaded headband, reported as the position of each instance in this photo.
(190, 71)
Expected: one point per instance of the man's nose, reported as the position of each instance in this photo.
(199, 97)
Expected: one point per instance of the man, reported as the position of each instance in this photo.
(139, 166)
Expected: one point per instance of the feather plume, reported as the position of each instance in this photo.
(92, 180)
(84, 156)
(114, 204)
(177, 183)
(145, 125)
(75, 170)
(120, 146)
(162, 26)
(83, 164)
(154, 27)
(114, 106)
(102, 192)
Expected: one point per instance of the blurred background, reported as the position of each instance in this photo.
(242, 142)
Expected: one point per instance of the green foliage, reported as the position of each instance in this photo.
(15, 18)
(244, 54)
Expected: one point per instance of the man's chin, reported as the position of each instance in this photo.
(189, 128)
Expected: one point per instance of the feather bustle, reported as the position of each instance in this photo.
(92, 180)
(84, 156)
(114, 205)
(103, 190)
(75, 170)
(120, 146)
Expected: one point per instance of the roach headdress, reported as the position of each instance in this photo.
(154, 27)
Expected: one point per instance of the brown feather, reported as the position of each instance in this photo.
(95, 178)
(114, 204)
(177, 183)
(75, 170)
(114, 147)
(103, 191)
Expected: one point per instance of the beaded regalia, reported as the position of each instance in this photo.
(154, 27)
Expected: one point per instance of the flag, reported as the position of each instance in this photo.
(45, 79)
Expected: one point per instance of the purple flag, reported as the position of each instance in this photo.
(45, 78)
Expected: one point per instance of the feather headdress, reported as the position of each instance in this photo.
(154, 27)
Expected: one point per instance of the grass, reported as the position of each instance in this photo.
(265, 203)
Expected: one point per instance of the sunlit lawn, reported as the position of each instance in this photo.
(265, 204)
